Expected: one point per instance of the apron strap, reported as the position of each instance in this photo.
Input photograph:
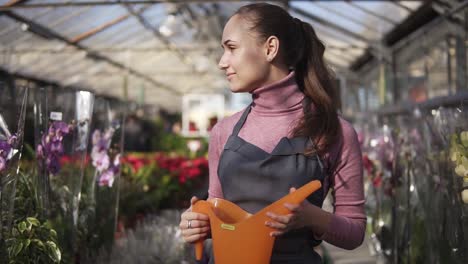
(241, 121)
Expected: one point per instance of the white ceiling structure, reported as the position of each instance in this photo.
(163, 50)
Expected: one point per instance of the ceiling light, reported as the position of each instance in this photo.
(24, 26)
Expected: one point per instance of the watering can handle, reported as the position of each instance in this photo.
(200, 206)
(199, 250)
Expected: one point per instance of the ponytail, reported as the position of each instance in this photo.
(315, 79)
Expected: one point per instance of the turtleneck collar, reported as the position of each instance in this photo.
(278, 98)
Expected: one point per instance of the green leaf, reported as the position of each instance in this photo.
(28, 226)
(53, 234)
(22, 227)
(38, 243)
(33, 221)
(26, 243)
(166, 179)
(17, 248)
(54, 250)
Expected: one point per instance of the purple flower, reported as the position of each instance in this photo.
(53, 164)
(51, 149)
(61, 127)
(2, 163)
(100, 161)
(56, 147)
(12, 140)
(107, 178)
(6, 147)
(100, 157)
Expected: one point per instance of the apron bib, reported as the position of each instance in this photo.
(253, 179)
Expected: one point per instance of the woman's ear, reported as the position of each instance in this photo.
(271, 48)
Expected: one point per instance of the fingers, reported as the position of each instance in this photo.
(188, 215)
(292, 207)
(193, 200)
(282, 223)
(194, 237)
(281, 219)
(198, 230)
(276, 225)
(195, 231)
(292, 189)
(184, 224)
(194, 226)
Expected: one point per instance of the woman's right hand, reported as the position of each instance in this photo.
(194, 226)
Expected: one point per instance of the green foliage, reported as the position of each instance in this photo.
(32, 239)
(145, 191)
(165, 141)
(33, 242)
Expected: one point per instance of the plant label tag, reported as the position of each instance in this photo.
(56, 116)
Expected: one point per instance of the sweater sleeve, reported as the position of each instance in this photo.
(347, 226)
(214, 151)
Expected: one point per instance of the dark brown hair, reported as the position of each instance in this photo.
(301, 50)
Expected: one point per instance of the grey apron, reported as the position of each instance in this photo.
(253, 179)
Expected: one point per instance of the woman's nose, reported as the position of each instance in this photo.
(222, 64)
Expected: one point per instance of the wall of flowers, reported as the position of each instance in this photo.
(68, 188)
(416, 169)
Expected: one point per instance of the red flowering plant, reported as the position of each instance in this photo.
(151, 182)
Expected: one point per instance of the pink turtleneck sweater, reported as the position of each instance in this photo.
(276, 109)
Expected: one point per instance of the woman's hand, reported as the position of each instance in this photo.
(194, 226)
(295, 220)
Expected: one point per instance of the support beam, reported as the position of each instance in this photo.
(105, 3)
(49, 34)
(185, 59)
(28, 78)
(105, 26)
(346, 16)
(14, 2)
(372, 13)
(98, 29)
(402, 6)
(185, 48)
(460, 64)
(329, 24)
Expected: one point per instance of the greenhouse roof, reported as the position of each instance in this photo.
(169, 48)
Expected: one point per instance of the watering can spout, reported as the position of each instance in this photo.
(240, 237)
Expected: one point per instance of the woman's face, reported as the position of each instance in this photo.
(244, 59)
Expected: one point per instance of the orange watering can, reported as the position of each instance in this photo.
(240, 237)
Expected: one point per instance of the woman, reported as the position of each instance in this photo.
(289, 135)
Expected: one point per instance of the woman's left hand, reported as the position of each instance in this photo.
(284, 223)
